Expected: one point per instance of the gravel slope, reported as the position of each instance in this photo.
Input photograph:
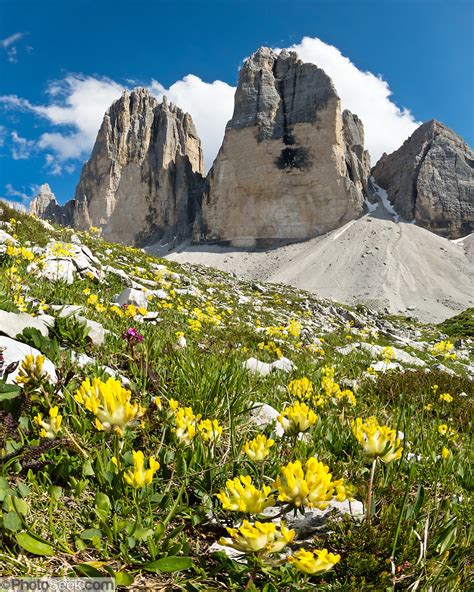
(373, 260)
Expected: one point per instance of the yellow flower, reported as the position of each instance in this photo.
(131, 310)
(297, 418)
(444, 349)
(142, 311)
(140, 476)
(210, 430)
(110, 403)
(388, 353)
(31, 370)
(294, 328)
(259, 447)
(50, 429)
(93, 299)
(185, 422)
(442, 429)
(241, 495)
(446, 397)
(311, 486)
(428, 407)
(445, 452)
(376, 440)
(314, 562)
(259, 537)
(20, 253)
(195, 325)
(302, 388)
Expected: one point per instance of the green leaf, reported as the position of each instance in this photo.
(23, 489)
(55, 492)
(168, 564)
(11, 521)
(123, 579)
(84, 569)
(142, 533)
(33, 545)
(91, 533)
(8, 391)
(87, 470)
(4, 489)
(102, 505)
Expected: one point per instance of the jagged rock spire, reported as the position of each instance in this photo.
(291, 166)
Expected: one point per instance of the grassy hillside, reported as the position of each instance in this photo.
(132, 481)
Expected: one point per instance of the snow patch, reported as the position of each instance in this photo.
(383, 196)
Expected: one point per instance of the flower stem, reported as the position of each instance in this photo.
(369, 492)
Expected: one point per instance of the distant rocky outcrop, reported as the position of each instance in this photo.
(143, 181)
(45, 206)
(291, 166)
(430, 179)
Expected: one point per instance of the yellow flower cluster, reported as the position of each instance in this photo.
(302, 388)
(293, 329)
(259, 447)
(314, 562)
(388, 353)
(19, 253)
(310, 486)
(446, 397)
(111, 404)
(297, 418)
(31, 371)
(271, 347)
(139, 476)
(187, 425)
(445, 430)
(62, 249)
(209, 316)
(377, 441)
(260, 537)
(331, 388)
(210, 430)
(241, 495)
(49, 429)
(444, 349)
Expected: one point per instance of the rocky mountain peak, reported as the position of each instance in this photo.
(284, 170)
(44, 205)
(143, 181)
(430, 179)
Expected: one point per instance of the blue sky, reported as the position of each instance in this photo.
(62, 63)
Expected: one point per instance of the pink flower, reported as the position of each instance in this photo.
(132, 336)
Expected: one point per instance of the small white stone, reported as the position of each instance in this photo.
(132, 296)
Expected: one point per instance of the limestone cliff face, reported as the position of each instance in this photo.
(45, 205)
(291, 166)
(430, 179)
(143, 181)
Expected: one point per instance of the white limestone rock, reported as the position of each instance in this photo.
(16, 351)
(131, 296)
(11, 324)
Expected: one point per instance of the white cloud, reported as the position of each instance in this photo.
(21, 147)
(52, 165)
(18, 199)
(78, 103)
(10, 46)
(210, 104)
(365, 94)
